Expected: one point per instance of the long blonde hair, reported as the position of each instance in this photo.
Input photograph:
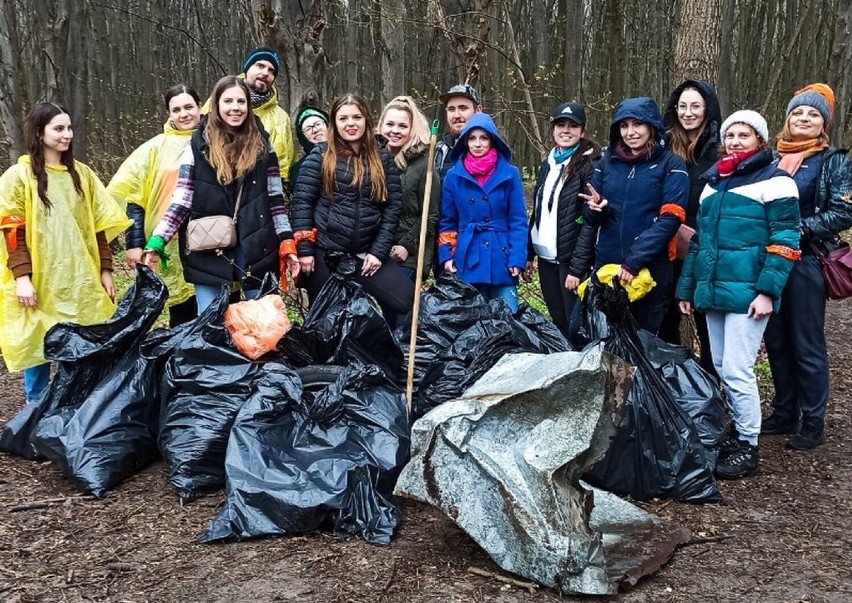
(418, 140)
(233, 152)
(366, 161)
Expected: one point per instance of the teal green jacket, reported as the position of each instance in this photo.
(746, 240)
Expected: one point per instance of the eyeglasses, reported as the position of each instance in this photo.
(694, 108)
(313, 128)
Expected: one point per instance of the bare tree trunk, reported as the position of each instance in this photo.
(73, 74)
(841, 70)
(11, 143)
(696, 54)
(295, 28)
(724, 84)
(392, 53)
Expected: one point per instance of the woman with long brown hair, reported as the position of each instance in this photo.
(692, 118)
(56, 264)
(229, 169)
(346, 210)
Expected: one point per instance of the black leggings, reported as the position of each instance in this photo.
(390, 286)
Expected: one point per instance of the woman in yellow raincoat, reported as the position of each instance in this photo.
(144, 184)
(55, 265)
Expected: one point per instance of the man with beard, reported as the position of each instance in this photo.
(460, 102)
(259, 71)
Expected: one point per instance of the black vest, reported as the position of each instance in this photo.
(255, 229)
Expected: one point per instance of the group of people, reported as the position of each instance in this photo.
(353, 204)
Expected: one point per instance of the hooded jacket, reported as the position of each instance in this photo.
(746, 223)
(707, 148)
(353, 221)
(575, 239)
(489, 220)
(646, 201)
(143, 185)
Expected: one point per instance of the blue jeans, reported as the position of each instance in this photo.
(207, 294)
(508, 293)
(36, 379)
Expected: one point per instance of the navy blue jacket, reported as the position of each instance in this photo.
(490, 219)
(633, 231)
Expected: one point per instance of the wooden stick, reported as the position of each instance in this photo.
(421, 251)
(43, 504)
(530, 586)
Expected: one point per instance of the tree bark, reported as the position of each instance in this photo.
(11, 140)
(841, 80)
(696, 54)
(295, 29)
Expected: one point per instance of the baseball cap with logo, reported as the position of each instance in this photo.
(461, 90)
(573, 111)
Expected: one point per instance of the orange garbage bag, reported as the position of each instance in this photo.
(257, 325)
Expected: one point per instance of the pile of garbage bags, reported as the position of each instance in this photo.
(313, 433)
(97, 419)
(461, 335)
(657, 451)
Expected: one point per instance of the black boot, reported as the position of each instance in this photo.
(811, 435)
(776, 424)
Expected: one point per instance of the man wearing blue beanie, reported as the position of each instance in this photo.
(260, 70)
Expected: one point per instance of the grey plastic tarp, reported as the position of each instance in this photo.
(504, 462)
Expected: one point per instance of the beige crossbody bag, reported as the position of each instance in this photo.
(213, 232)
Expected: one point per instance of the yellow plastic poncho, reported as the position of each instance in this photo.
(147, 178)
(64, 253)
(277, 124)
(636, 289)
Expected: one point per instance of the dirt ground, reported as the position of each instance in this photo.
(784, 535)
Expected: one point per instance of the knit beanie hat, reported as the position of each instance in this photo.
(818, 96)
(310, 112)
(262, 54)
(749, 118)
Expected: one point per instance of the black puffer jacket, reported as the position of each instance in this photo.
(575, 240)
(707, 148)
(353, 221)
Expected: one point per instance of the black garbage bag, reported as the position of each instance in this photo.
(326, 453)
(84, 355)
(203, 387)
(461, 335)
(656, 452)
(343, 326)
(113, 434)
(693, 388)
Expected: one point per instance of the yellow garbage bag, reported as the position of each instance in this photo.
(147, 178)
(636, 289)
(64, 253)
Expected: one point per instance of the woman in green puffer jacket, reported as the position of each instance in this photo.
(746, 243)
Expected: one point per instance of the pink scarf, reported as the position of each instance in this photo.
(481, 168)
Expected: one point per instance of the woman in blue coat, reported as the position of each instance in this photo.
(482, 235)
(638, 197)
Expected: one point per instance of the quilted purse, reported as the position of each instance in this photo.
(213, 232)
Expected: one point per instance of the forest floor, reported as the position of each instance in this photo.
(783, 535)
